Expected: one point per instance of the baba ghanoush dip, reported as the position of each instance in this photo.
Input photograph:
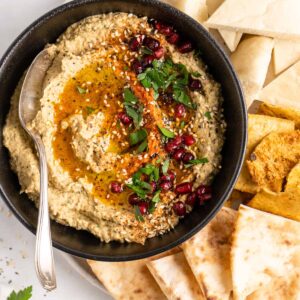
(133, 128)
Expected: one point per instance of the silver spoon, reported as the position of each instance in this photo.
(29, 105)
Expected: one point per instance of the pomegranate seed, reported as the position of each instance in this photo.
(170, 147)
(159, 53)
(147, 60)
(167, 98)
(137, 67)
(153, 186)
(178, 154)
(173, 38)
(157, 25)
(179, 111)
(143, 206)
(165, 30)
(188, 139)
(151, 43)
(124, 118)
(134, 199)
(165, 185)
(187, 157)
(183, 188)
(205, 197)
(116, 187)
(203, 189)
(135, 43)
(169, 177)
(177, 140)
(195, 84)
(185, 47)
(179, 208)
(191, 199)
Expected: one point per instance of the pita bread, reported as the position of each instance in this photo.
(257, 17)
(129, 280)
(251, 61)
(273, 158)
(286, 53)
(270, 73)
(213, 5)
(258, 127)
(236, 198)
(231, 38)
(280, 288)
(285, 89)
(264, 247)
(284, 204)
(293, 179)
(281, 112)
(175, 278)
(208, 255)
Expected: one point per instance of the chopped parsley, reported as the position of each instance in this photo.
(133, 108)
(24, 294)
(156, 198)
(81, 90)
(166, 132)
(146, 50)
(89, 110)
(182, 124)
(137, 214)
(139, 137)
(193, 162)
(196, 74)
(208, 115)
(165, 166)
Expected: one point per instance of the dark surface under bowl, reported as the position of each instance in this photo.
(46, 30)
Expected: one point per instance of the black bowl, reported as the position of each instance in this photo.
(45, 30)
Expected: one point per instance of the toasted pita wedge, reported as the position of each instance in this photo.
(281, 112)
(271, 73)
(273, 159)
(280, 288)
(213, 5)
(264, 247)
(258, 127)
(285, 204)
(236, 198)
(175, 278)
(286, 53)
(257, 17)
(129, 280)
(208, 255)
(293, 179)
(251, 61)
(284, 90)
(231, 38)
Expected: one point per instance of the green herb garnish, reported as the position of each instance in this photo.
(89, 110)
(146, 50)
(182, 124)
(165, 166)
(156, 198)
(137, 214)
(133, 108)
(193, 162)
(142, 147)
(81, 90)
(24, 294)
(208, 115)
(196, 74)
(166, 132)
(137, 137)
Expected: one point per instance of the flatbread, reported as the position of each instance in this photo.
(208, 255)
(129, 280)
(213, 5)
(236, 198)
(285, 204)
(251, 61)
(231, 38)
(270, 73)
(264, 247)
(281, 112)
(286, 53)
(280, 288)
(284, 90)
(175, 278)
(274, 18)
(293, 179)
(258, 127)
(273, 158)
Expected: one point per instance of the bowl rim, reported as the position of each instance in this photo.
(238, 164)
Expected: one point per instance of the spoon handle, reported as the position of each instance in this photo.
(44, 262)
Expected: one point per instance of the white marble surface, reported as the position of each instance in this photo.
(17, 243)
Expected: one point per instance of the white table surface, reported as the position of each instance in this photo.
(17, 243)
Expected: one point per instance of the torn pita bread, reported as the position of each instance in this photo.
(286, 53)
(274, 18)
(231, 38)
(273, 158)
(270, 73)
(217, 36)
(175, 278)
(208, 255)
(251, 61)
(280, 288)
(285, 89)
(293, 179)
(213, 5)
(258, 127)
(129, 280)
(280, 112)
(236, 198)
(264, 247)
(285, 204)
